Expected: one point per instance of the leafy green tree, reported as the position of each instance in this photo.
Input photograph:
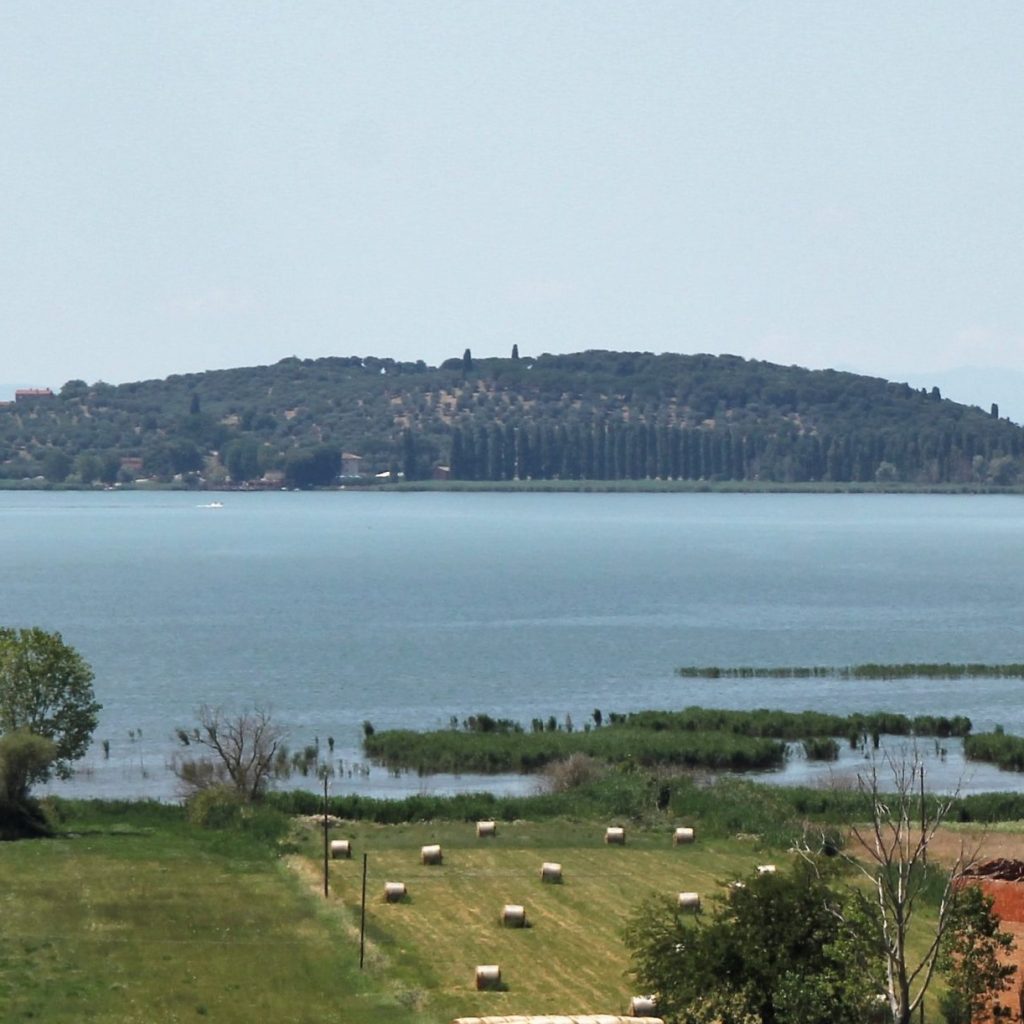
(970, 958)
(46, 689)
(777, 948)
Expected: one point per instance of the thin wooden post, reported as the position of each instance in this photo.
(362, 919)
(326, 843)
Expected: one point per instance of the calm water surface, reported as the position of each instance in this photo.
(405, 609)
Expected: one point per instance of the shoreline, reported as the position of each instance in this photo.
(543, 486)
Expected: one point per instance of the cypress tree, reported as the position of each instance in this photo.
(408, 455)
(458, 456)
(508, 451)
(600, 452)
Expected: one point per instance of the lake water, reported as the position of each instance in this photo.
(406, 609)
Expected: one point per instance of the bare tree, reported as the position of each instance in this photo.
(239, 751)
(890, 850)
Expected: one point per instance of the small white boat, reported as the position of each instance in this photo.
(212, 504)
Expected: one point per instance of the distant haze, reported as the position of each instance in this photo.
(200, 186)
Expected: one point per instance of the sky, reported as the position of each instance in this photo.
(188, 186)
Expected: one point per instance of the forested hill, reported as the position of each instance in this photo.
(591, 415)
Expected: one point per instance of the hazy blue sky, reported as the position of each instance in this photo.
(191, 185)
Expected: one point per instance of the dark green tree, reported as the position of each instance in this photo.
(88, 467)
(56, 466)
(778, 948)
(242, 459)
(467, 361)
(515, 353)
(312, 467)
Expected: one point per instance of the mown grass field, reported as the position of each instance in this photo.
(571, 959)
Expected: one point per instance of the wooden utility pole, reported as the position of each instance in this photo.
(327, 844)
(362, 919)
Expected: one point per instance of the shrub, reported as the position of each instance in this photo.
(214, 807)
(572, 772)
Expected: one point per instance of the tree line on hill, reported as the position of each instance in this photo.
(590, 415)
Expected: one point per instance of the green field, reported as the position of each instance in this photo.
(133, 915)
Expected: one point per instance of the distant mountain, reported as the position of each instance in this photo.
(589, 415)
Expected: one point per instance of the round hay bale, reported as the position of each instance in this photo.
(431, 854)
(341, 849)
(615, 836)
(394, 892)
(513, 915)
(766, 869)
(551, 872)
(689, 901)
(486, 829)
(488, 976)
(682, 835)
(643, 1006)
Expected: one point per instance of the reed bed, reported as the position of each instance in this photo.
(1006, 752)
(450, 750)
(794, 725)
(870, 670)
